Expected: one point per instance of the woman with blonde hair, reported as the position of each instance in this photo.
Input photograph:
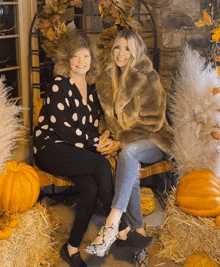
(135, 125)
(66, 136)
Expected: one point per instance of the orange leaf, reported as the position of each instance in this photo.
(200, 23)
(215, 91)
(207, 18)
(215, 135)
(216, 34)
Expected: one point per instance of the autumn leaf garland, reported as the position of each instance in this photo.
(51, 24)
(214, 28)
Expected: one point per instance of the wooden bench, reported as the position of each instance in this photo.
(160, 167)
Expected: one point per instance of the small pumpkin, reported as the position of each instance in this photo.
(199, 260)
(8, 220)
(19, 187)
(14, 221)
(147, 201)
(5, 232)
(198, 193)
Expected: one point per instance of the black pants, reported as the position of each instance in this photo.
(90, 171)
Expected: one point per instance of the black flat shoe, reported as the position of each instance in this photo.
(75, 260)
(136, 240)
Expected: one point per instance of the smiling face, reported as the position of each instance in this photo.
(121, 53)
(80, 62)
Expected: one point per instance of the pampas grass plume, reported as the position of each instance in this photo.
(194, 114)
(10, 124)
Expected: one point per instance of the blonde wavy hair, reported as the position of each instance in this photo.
(66, 51)
(138, 51)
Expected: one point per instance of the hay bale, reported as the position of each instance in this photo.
(31, 242)
(182, 234)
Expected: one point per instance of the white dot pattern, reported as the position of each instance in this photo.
(75, 117)
(78, 132)
(81, 145)
(91, 98)
(76, 102)
(45, 127)
(96, 123)
(67, 102)
(41, 118)
(53, 119)
(77, 123)
(67, 124)
(84, 120)
(89, 108)
(70, 93)
(60, 106)
(58, 79)
(38, 133)
(96, 139)
(90, 118)
(55, 88)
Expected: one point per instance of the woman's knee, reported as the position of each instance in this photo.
(88, 187)
(128, 151)
(104, 166)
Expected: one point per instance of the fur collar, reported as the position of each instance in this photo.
(135, 79)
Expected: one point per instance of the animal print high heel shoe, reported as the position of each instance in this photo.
(108, 236)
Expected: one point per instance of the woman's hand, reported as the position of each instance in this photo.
(109, 147)
(103, 138)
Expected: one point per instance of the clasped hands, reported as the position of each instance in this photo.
(107, 145)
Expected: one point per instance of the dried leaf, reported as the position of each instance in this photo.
(77, 3)
(200, 23)
(207, 18)
(216, 34)
(113, 11)
(215, 135)
(215, 91)
(43, 23)
(105, 3)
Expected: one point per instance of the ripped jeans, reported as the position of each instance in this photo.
(127, 185)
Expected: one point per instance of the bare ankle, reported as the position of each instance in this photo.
(141, 231)
(72, 250)
(123, 234)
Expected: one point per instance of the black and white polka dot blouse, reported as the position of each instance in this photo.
(65, 117)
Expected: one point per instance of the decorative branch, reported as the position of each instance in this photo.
(1, 62)
(3, 32)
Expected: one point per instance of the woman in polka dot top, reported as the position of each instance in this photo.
(66, 136)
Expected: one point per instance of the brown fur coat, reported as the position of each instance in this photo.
(140, 108)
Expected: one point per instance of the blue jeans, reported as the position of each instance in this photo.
(127, 185)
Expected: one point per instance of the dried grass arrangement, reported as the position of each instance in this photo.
(194, 107)
(182, 234)
(31, 242)
(10, 124)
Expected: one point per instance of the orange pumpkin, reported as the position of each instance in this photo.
(5, 232)
(198, 193)
(199, 259)
(217, 220)
(19, 187)
(14, 221)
